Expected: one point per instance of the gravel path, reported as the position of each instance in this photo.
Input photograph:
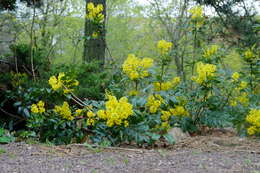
(195, 155)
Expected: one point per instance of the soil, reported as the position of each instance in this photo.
(213, 154)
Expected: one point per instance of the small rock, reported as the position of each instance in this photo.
(178, 134)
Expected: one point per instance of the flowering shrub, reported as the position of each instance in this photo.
(156, 102)
(151, 98)
(253, 118)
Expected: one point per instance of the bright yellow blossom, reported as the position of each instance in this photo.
(210, 51)
(38, 108)
(205, 72)
(235, 76)
(154, 102)
(197, 15)
(133, 93)
(165, 115)
(91, 114)
(94, 34)
(243, 85)
(165, 86)
(95, 13)
(34, 109)
(60, 82)
(165, 125)
(116, 111)
(64, 111)
(164, 46)
(233, 103)
(179, 111)
(253, 118)
(135, 67)
(249, 54)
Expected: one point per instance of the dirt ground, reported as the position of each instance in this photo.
(199, 154)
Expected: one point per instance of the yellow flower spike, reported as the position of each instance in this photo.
(154, 102)
(40, 104)
(102, 115)
(179, 111)
(34, 109)
(233, 103)
(243, 85)
(196, 12)
(210, 51)
(90, 114)
(164, 46)
(116, 112)
(253, 118)
(249, 54)
(95, 13)
(78, 112)
(251, 130)
(91, 122)
(64, 111)
(55, 84)
(90, 6)
(133, 93)
(165, 125)
(126, 124)
(205, 72)
(235, 76)
(165, 115)
(136, 68)
(94, 35)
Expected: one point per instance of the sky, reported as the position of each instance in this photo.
(256, 4)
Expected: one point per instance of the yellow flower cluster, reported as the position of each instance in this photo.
(64, 111)
(136, 68)
(196, 12)
(38, 108)
(197, 15)
(94, 34)
(235, 76)
(133, 93)
(116, 112)
(179, 111)
(239, 97)
(210, 51)
(91, 118)
(164, 46)
(205, 72)
(95, 13)
(249, 54)
(253, 118)
(164, 86)
(59, 82)
(154, 102)
(242, 99)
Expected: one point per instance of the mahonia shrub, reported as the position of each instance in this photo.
(154, 99)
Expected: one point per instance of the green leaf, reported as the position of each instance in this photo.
(16, 104)
(6, 139)
(26, 112)
(154, 136)
(1, 132)
(169, 138)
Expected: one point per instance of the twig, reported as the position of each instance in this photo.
(11, 115)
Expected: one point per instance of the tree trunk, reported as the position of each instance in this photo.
(94, 48)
